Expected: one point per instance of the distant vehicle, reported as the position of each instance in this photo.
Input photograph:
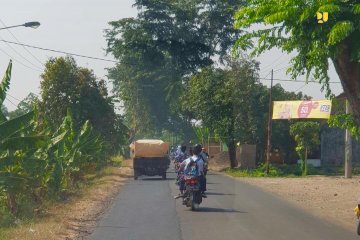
(150, 157)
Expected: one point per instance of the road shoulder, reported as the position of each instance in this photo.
(329, 198)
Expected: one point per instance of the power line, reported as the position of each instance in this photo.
(276, 70)
(300, 87)
(7, 94)
(22, 46)
(266, 75)
(290, 80)
(11, 102)
(15, 60)
(57, 51)
(20, 55)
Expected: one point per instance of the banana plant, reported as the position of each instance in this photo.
(19, 166)
(4, 86)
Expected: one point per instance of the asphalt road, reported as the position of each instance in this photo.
(145, 210)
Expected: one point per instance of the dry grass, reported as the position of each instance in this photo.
(75, 218)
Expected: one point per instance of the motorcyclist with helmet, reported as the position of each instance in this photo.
(186, 169)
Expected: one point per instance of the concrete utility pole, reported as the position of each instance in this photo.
(268, 148)
(348, 147)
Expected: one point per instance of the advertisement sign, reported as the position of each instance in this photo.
(302, 109)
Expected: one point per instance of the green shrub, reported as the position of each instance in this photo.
(117, 161)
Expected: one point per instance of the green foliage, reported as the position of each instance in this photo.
(345, 121)
(202, 134)
(294, 170)
(26, 105)
(340, 31)
(5, 83)
(38, 162)
(4, 86)
(274, 171)
(292, 26)
(117, 160)
(229, 101)
(65, 86)
(306, 135)
(158, 50)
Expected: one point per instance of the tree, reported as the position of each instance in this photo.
(229, 101)
(25, 106)
(65, 86)
(306, 135)
(292, 26)
(161, 47)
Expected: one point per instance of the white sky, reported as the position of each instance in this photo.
(77, 26)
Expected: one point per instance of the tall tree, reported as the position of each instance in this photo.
(229, 101)
(292, 26)
(65, 86)
(167, 41)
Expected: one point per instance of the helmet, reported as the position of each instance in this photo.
(183, 148)
(197, 149)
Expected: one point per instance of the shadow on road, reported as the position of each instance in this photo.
(221, 210)
(219, 194)
(156, 179)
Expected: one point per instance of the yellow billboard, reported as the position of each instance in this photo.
(302, 109)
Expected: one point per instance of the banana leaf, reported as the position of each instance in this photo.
(5, 83)
(13, 126)
(22, 143)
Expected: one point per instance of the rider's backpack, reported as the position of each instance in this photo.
(191, 169)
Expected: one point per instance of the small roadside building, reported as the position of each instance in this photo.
(333, 140)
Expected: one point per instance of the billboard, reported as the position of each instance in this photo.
(302, 109)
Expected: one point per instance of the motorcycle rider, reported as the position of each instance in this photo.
(185, 169)
(205, 157)
(180, 154)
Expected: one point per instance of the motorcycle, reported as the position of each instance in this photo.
(176, 166)
(192, 196)
(206, 167)
(357, 213)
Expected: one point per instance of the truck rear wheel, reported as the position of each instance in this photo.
(163, 176)
(136, 174)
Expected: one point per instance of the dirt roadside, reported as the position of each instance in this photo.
(329, 198)
(75, 218)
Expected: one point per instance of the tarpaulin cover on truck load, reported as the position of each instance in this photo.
(149, 148)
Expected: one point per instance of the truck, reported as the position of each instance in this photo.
(150, 157)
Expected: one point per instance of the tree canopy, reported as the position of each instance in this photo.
(159, 49)
(229, 101)
(292, 26)
(67, 87)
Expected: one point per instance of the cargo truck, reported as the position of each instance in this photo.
(150, 157)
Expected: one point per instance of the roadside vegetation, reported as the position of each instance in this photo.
(293, 170)
(181, 69)
(50, 148)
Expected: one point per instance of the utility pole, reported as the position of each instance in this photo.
(268, 148)
(348, 147)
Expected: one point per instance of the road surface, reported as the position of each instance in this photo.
(145, 210)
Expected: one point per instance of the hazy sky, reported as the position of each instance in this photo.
(77, 26)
